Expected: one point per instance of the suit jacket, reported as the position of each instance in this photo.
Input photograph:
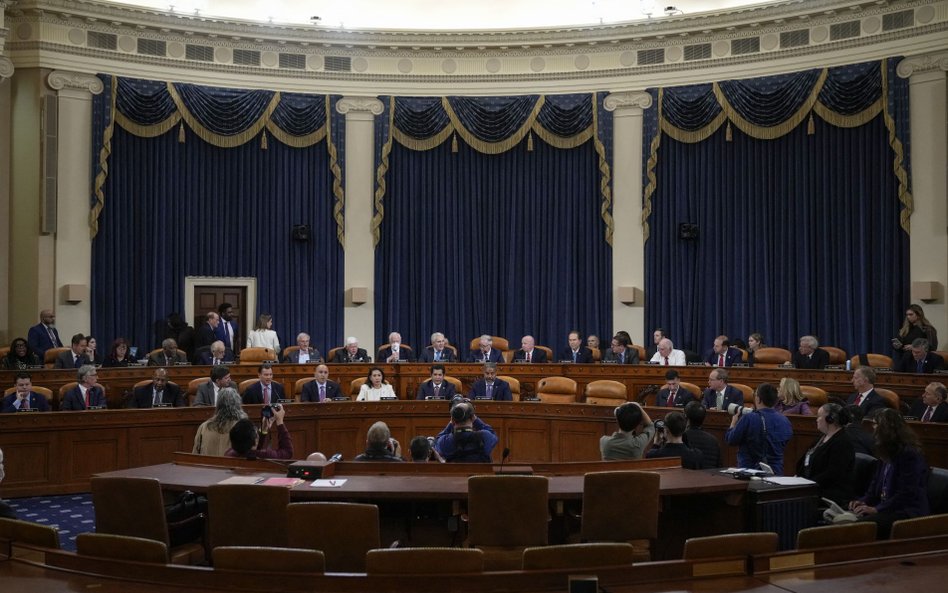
(254, 393)
(37, 402)
(142, 396)
(918, 410)
(584, 356)
(682, 397)
(447, 355)
(404, 355)
(314, 356)
(818, 360)
(158, 360)
(731, 396)
(426, 390)
(38, 339)
(205, 336)
(493, 356)
(311, 391)
(65, 361)
(731, 357)
(360, 356)
(871, 402)
(501, 390)
(908, 364)
(631, 356)
(536, 356)
(207, 359)
(221, 333)
(205, 395)
(74, 400)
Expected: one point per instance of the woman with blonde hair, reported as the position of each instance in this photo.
(263, 335)
(790, 399)
(213, 436)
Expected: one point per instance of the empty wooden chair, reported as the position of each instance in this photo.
(891, 398)
(556, 390)
(732, 544)
(606, 393)
(836, 535)
(876, 361)
(920, 527)
(424, 561)
(746, 390)
(771, 357)
(506, 515)
(343, 531)
(121, 547)
(637, 524)
(25, 532)
(247, 515)
(837, 355)
(815, 396)
(266, 559)
(257, 355)
(581, 556)
(514, 386)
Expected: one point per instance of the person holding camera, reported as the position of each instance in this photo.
(379, 445)
(246, 442)
(466, 438)
(669, 443)
(636, 429)
(422, 450)
(761, 434)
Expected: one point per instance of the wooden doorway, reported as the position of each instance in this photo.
(205, 294)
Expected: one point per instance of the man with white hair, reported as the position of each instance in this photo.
(395, 351)
(305, 352)
(485, 351)
(438, 351)
(529, 352)
(810, 355)
(667, 355)
(352, 352)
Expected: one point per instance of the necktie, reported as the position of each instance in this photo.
(859, 400)
(490, 391)
(77, 362)
(928, 414)
(437, 356)
(528, 356)
(920, 367)
(671, 399)
(574, 356)
(622, 358)
(666, 361)
(158, 398)
(322, 392)
(88, 399)
(26, 403)
(52, 337)
(720, 360)
(230, 334)
(437, 390)
(266, 395)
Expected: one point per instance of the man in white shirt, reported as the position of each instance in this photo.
(667, 355)
(305, 352)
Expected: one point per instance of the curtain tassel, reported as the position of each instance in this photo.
(263, 140)
(727, 132)
(181, 133)
(454, 142)
(810, 126)
(530, 142)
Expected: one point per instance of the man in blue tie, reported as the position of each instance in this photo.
(490, 387)
(919, 360)
(576, 352)
(438, 351)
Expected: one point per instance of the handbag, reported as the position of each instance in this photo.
(185, 516)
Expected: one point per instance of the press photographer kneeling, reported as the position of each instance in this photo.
(246, 442)
(466, 438)
(761, 434)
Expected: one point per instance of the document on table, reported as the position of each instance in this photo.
(324, 483)
(788, 481)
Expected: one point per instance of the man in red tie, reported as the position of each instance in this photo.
(864, 380)
(528, 352)
(266, 391)
(722, 355)
(673, 395)
(932, 407)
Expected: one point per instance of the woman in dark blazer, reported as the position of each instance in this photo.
(829, 462)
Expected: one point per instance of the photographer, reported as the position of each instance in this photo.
(761, 434)
(246, 442)
(379, 445)
(668, 441)
(467, 438)
(422, 450)
(636, 429)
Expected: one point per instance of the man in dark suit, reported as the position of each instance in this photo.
(322, 389)
(528, 352)
(76, 357)
(696, 438)
(932, 406)
(304, 353)
(490, 387)
(719, 395)
(24, 399)
(169, 355)
(485, 351)
(395, 351)
(226, 330)
(207, 332)
(266, 391)
(620, 351)
(576, 352)
(216, 355)
(810, 355)
(44, 335)
(673, 395)
(207, 392)
(438, 351)
(436, 387)
(352, 352)
(722, 355)
(87, 394)
(919, 360)
(160, 393)
(864, 380)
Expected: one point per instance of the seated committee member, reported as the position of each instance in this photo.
(830, 460)
(119, 355)
(866, 397)
(394, 351)
(528, 352)
(673, 395)
(213, 436)
(76, 356)
(575, 351)
(490, 387)
(636, 429)
(266, 391)
(375, 387)
(24, 398)
(485, 351)
(669, 442)
(438, 351)
(667, 355)
(247, 442)
(86, 394)
(719, 395)
(592, 341)
(160, 393)
(762, 434)
(436, 387)
(809, 355)
(755, 342)
(790, 398)
(931, 407)
(696, 438)
(352, 352)
(919, 360)
(379, 445)
(466, 439)
(168, 355)
(722, 354)
(620, 352)
(216, 355)
(20, 357)
(305, 352)
(322, 389)
(208, 392)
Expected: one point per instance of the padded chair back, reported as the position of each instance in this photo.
(815, 396)
(257, 355)
(920, 527)
(507, 511)
(606, 393)
(731, 544)
(4, 350)
(121, 547)
(837, 355)
(458, 387)
(245, 385)
(743, 354)
(247, 515)
(864, 467)
(836, 535)
(692, 389)
(876, 361)
(424, 561)
(344, 532)
(298, 386)
(289, 350)
(34, 534)
(891, 398)
(549, 352)
(378, 353)
(556, 390)
(641, 351)
(508, 355)
(580, 556)
(944, 356)
(637, 524)
(195, 384)
(498, 343)
(746, 390)
(514, 386)
(49, 358)
(771, 357)
(597, 354)
(356, 385)
(268, 559)
(130, 506)
(938, 490)
(332, 352)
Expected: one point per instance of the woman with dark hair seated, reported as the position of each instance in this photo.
(829, 462)
(20, 356)
(755, 342)
(898, 488)
(119, 354)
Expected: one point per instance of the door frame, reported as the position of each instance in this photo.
(249, 284)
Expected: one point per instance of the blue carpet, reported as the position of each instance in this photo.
(72, 514)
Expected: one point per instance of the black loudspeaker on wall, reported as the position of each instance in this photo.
(687, 231)
(301, 233)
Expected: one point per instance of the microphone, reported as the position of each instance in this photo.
(506, 454)
(335, 458)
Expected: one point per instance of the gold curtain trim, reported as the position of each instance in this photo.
(339, 206)
(493, 147)
(424, 143)
(103, 173)
(565, 142)
(152, 131)
(220, 140)
(849, 121)
(605, 174)
(297, 141)
(650, 171)
(693, 136)
(781, 129)
(380, 185)
(905, 195)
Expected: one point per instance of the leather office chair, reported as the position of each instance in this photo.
(498, 344)
(637, 524)
(606, 393)
(355, 385)
(4, 350)
(556, 390)
(597, 354)
(288, 351)
(771, 357)
(67, 387)
(549, 352)
(245, 385)
(891, 398)
(431, 560)
(507, 356)
(507, 514)
(257, 355)
(641, 351)
(864, 467)
(691, 388)
(578, 556)
(944, 356)
(332, 353)
(746, 390)
(815, 396)
(458, 386)
(743, 354)
(837, 355)
(33, 534)
(135, 507)
(193, 386)
(298, 387)
(836, 535)
(247, 515)
(514, 386)
(731, 544)
(344, 532)
(378, 352)
(49, 358)
(920, 527)
(876, 361)
(938, 490)
(268, 559)
(121, 547)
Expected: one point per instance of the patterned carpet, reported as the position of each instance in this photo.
(72, 514)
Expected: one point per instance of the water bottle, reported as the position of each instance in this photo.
(849, 365)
